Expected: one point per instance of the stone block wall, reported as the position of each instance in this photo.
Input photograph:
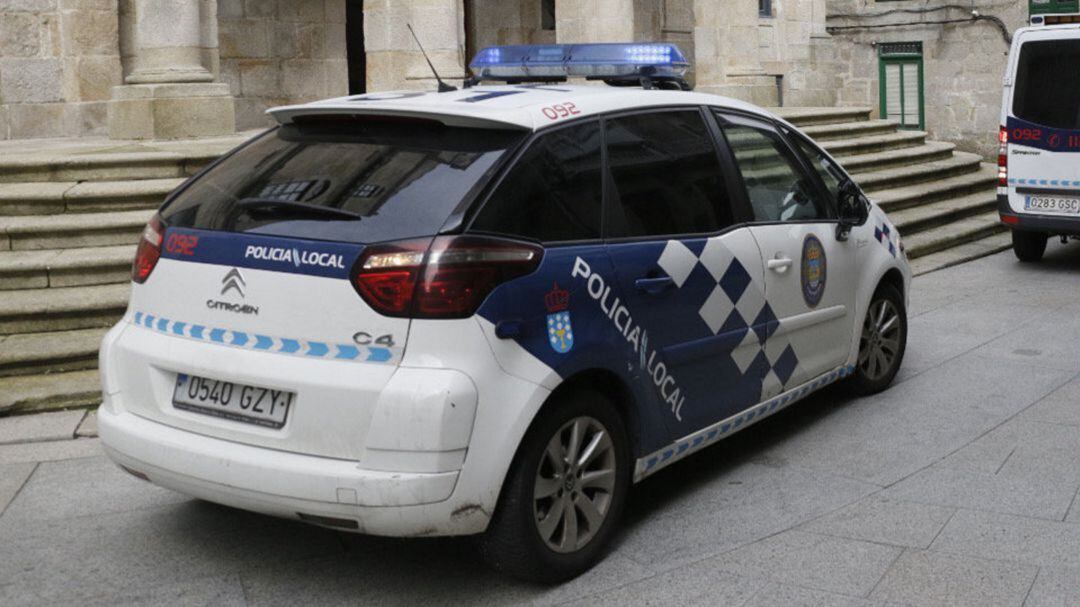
(963, 62)
(59, 60)
(275, 52)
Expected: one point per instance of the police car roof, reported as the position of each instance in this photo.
(507, 106)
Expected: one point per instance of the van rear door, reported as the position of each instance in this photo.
(1041, 123)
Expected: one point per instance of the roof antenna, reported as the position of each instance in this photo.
(443, 87)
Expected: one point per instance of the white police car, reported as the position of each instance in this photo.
(491, 310)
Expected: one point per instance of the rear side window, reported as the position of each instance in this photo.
(775, 183)
(553, 191)
(353, 180)
(666, 175)
(1047, 91)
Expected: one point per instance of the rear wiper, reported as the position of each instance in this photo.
(299, 207)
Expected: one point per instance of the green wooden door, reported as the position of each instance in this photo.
(902, 97)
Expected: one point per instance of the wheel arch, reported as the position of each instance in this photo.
(895, 278)
(608, 383)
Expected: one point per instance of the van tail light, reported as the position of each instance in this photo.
(149, 251)
(444, 277)
(1003, 158)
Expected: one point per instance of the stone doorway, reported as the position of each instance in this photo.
(354, 42)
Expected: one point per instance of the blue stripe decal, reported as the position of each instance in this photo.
(703, 438)
(265, 343)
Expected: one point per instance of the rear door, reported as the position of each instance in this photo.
(809, 274)
(689, 276)
(254, 282)
(1043, 124)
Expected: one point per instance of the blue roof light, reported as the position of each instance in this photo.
(598, 61)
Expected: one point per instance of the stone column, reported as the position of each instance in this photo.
(170, 93)
(393, 59)
(594, 21)
(726, 51)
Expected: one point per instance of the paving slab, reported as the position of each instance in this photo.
(795, 596)
(697, 584)
(57, 425)
(12, 479)
(702, 508)
(931, 578)
(885, 521)
(124, 553)
(818, 562)
(49, 451)
(1033, 495)
(218, 591)
(89, 426)
(1008, 537)
(100, 485)
(1055, 586)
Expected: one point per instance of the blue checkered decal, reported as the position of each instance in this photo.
(264, 343)
(884, 235)
(703, 438)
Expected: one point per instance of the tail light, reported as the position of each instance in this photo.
(1003, 158)
(444, 277)
(149, 251)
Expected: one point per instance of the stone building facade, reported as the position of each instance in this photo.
(182, 68)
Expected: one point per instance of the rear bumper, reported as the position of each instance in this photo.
(286, 484)
(1036, 223)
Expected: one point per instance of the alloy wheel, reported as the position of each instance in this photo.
(879, 345)
(574, 483)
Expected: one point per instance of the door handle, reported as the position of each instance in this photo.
(654, 286)
(780, 264)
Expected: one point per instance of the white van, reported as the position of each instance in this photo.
(1039, 158)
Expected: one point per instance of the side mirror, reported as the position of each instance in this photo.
(853, 208)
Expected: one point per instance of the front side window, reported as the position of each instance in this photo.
(553, 191)
(830, 173)
(777, 188)
(1047, 90)
(666, 175)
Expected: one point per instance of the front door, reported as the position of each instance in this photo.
(808, 273)
(689, 280)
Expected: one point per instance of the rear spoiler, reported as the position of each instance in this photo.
(288, 114)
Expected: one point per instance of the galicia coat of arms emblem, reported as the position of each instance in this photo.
(559, 331)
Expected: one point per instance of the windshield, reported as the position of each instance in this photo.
(1047, 91)
(344, 179)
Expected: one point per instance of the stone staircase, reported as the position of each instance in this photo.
(70, 214)
(943, 201)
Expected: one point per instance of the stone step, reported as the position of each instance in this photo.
(69, 231)
(962, 253)
(924, 217)
(62, 309)
(929, 152)
(65, 267)
(808, 116)
(876, 143)
(51, 352)
(957, 164)
(895, 199)
(952, 234)
(85, 197)
(49, 391)
(851, 130)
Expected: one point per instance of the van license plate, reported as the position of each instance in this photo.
(1062, 205)
(237, 402)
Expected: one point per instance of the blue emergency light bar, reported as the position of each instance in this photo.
(613, 63)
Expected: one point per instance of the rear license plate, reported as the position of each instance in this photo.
(237, 402)
(1061, 205)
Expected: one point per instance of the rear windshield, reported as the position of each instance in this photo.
(351, 180)
(1047, 88)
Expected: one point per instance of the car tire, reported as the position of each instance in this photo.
(522, 540)
(882, 342)
(1029, 246)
